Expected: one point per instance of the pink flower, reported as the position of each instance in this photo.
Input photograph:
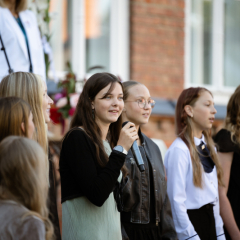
(74, 99)
(71, 111)
(61, 102)
(58, 96)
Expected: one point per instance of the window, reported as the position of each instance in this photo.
(97, 33)
(91, 33)
(232, 43)
(212, 44)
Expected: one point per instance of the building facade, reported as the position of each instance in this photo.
(167, 45)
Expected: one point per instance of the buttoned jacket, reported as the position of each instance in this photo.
(136, 189)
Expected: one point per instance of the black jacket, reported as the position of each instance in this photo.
(136, 190)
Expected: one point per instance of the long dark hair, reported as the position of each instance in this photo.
(83, 114)
(184, 130)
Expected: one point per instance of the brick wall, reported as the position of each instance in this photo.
(157, 55)
(157, 45)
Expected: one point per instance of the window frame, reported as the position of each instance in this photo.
(119, 39)
(221, 92)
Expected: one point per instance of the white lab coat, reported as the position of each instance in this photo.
(15, 44)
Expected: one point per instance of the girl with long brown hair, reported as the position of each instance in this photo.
(91, 159)
(193, 170)
(228, 143)
(23, 191)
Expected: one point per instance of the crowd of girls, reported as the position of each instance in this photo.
(193, 195)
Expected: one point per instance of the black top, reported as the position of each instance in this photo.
(81, 175)
(225, 144)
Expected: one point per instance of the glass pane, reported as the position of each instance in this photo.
(232, 43)
(201, 41)
(60, 28)
(207, 42)
(97, 32)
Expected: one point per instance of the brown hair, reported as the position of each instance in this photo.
(126, 86)
(184, 130)
(22, 177)
(13, 111)
(20, 5)
(232, 121)
(83, 114)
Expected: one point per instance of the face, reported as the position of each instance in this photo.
(203, 112)
(109, 108)
(132, 112)
(31, 127)
(47, 101)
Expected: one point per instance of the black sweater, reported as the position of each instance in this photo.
(81, 175)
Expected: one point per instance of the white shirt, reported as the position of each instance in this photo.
(184, 195)
(15, 44)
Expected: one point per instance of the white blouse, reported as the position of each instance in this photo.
(184, 195)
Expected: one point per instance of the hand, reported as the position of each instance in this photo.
(127, 136)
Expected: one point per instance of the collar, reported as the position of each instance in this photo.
(141, 137)
(198, 141)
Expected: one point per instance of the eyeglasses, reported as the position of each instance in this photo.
(142, 103)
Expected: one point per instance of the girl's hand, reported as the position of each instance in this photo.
(127, 136)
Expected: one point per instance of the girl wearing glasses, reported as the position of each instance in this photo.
(146, 208)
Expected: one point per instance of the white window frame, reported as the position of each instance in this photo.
(119, 38)
(221, 93)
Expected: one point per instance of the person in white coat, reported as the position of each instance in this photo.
(193, 170)
(21, 39)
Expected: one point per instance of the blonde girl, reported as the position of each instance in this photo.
(23, 191)
(33, 90)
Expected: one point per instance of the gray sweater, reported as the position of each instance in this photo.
(13, 226)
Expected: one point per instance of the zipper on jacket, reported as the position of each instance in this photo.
(132, 167)
(148, 163)
(153, 182)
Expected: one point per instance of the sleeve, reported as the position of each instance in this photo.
(177, 163)
(81, 161)
(224, 142)
(218, 222)
(168, 229)
(32, 228)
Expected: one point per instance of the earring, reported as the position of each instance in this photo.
(93, 114)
